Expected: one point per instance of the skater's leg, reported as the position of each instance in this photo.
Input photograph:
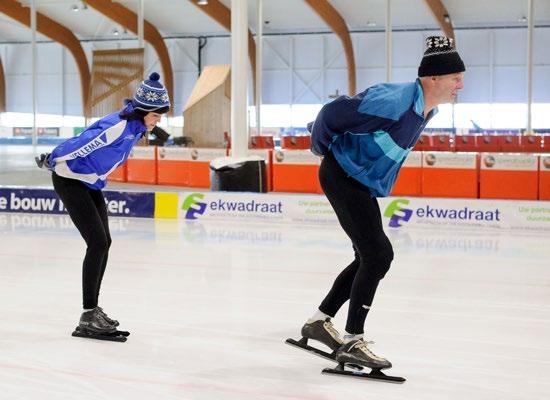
(99, 201)
(78, 201)
(376, 254)
(341, 288)
(359, 216)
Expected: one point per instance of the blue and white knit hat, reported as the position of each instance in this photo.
(151, 95)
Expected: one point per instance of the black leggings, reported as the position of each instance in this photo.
(359, 215)
(88, 212)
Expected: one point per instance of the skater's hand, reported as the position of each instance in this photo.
(42, 161)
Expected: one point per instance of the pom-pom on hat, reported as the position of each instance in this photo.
(151, 95)
(440, 58)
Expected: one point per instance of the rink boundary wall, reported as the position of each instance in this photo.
(397, 212)
(424, 173)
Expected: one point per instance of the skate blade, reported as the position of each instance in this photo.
(375, 374)
(111, 337)
(301, 344)
(116, 333)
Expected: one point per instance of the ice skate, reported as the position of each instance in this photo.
(322, 331)
(356, 353)
(110, 321)
(93, 325)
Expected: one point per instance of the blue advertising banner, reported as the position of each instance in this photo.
(46, 201)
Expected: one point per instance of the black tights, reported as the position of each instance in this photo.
(359, 216)
(87, 209)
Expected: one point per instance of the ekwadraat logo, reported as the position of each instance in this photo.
(194, 207)
(398, 214)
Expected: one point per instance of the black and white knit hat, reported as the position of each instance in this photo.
(440, 57)
(151, 95)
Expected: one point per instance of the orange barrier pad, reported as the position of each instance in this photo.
(120, 174)
(446, 174)
(409, 181)
(296, 171)
(188, 167)
(544, 177)
(508, 176)
(141, 165)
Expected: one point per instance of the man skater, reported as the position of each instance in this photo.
(364, 140)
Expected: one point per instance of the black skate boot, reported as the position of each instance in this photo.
(356, 353)
(110, 321)
(93, 325)
(324, 332)
(92, 321)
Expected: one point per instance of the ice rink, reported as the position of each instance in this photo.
(462, 314)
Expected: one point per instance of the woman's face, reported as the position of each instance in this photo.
(151, 119)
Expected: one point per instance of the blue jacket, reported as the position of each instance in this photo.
(98, 150)
(372, 133)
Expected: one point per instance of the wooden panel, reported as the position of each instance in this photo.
(128, 19)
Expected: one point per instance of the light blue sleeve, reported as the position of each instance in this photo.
(388, 100)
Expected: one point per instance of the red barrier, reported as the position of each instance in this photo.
(409, 181)
(487, 143)
(531, 144)
(298, 142)
(443, 143)
(510, 143)
(446, 174)
(142, 165)
(466, 143)
(424, 143)
(261, 142)
(508, 176)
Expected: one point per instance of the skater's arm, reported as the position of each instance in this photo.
(92, 139)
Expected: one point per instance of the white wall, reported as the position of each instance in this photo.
(298, 69)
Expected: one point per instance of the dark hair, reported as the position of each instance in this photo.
(133, 115)
(137, 113)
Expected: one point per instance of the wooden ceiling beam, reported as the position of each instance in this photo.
(222, 15)
(442, 17)
(338, 25)
(56, 32)
(129, 20)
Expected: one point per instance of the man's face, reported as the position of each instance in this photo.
(446, 87)
(151, 119)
